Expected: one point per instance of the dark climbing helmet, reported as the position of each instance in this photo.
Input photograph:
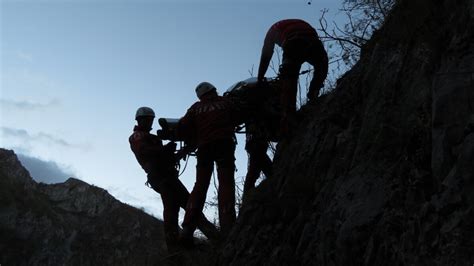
(144, 111)
(203, 88)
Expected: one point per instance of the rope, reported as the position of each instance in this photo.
(185, 165)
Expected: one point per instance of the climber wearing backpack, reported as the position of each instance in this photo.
(159, 163)
(210, 123)
(300, 43)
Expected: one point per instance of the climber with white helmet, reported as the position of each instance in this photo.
(159, 163)
(209, 124)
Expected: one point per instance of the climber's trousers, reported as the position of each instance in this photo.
(222, 153)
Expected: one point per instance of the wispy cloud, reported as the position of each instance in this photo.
(24, 56)
(150, 202)
(45, 171)
(52, 139)
(29, 106)
(25, 136)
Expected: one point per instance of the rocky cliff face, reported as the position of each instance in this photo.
(380, 171)
(70, 223)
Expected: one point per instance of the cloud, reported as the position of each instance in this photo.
(29, 106)
(24, 56)
(27, 137)
(44, 171)
(9, 132)
(51, 139)
(148, 201)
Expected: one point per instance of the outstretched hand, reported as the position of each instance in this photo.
(313, 93)
(181, 154)
(310, 96)
(162, 134)
(171, 146)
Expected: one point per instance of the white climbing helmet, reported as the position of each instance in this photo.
(203, 88)
(144, 111)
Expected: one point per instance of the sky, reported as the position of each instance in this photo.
(73, 73)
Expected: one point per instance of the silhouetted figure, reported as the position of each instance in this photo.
(256, 146)
(159, 163)
(300, 43)
(209, 122)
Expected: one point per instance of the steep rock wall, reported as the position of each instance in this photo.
(380, 171)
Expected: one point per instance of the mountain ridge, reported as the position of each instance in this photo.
(71, 223)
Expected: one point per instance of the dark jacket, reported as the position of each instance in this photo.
(280, 33)
(153, 157)
(208, 120)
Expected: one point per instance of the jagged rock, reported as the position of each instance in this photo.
(71, 223)
(380, 171)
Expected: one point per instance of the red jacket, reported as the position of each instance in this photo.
(279, 33)
(150, 152)
(208, 120)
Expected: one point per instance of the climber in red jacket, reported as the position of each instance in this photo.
(159, 163)
(209, 123)
(300, 43)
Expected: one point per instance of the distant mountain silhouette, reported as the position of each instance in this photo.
(70, 223)
(44, 171)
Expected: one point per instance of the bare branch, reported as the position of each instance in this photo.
(251, 71)
(363, 17)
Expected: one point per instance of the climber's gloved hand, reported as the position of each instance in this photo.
(181, 154)
(170, 146)
(313, 93)
(161, 134)
(310, 96)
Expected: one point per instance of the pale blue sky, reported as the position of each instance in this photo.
(74, 72)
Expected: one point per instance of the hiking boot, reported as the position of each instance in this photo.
(208, 228)
(186, 238)
(172, 242)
